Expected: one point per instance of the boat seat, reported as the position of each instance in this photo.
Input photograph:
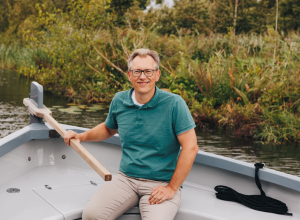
(200, 203)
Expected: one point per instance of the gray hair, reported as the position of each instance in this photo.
(143, 53)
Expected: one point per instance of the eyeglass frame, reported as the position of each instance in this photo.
(143, 71)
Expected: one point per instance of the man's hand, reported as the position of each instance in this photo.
(160, 194)
(71, 134)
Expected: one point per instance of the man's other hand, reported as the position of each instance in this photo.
(160, 194)
(71, 134)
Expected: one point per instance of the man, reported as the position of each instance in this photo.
(152, 124)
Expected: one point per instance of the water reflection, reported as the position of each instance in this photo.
(284, 158)
(14, 116)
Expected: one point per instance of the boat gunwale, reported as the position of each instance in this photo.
(41, 131)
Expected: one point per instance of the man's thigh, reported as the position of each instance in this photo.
(164, 211)
(111, 200)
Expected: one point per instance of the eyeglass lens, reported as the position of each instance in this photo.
(147, 73)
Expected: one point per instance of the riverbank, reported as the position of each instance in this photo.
(15, 116)
(249, 84)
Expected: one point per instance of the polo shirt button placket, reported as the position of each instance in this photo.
(139, 115)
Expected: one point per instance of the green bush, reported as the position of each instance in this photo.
(248, 83)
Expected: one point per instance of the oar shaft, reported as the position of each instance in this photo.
(87, 156)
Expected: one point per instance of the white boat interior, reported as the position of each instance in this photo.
(55, 183)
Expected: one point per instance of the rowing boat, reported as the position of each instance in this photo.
(42, 178)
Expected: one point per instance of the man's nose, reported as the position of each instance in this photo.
(143, 76)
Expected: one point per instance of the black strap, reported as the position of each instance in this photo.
(257, 202)
(257, 167)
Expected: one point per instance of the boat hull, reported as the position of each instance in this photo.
(58, 166)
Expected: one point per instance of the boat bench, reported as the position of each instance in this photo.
(199, 203)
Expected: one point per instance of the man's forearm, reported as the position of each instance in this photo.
(98, 133)
(188, 142)
(183, 167)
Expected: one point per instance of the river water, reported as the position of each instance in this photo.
(14, 116)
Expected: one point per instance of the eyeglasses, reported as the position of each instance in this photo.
(138, 73)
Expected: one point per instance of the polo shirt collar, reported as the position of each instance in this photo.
(129, 102)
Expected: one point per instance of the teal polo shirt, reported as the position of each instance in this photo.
(148, 134)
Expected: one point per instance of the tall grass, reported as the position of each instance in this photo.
(14, 56)
(247, 83)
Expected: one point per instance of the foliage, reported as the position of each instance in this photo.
(280, 125)
(16, 56)
(18, 15)
(186, 15)
(248, 83)
(290, 15)
(120, 7)
(216, 16)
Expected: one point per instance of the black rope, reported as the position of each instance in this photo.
(257, 202)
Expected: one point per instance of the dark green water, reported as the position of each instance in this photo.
(14, 116)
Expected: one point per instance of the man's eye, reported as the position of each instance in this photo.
(148, 71)
(137, 71)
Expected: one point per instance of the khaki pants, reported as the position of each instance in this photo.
(124, 192)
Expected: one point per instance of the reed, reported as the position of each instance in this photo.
(15, 56)
(227, 80)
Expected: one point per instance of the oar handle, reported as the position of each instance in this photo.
(45, 113)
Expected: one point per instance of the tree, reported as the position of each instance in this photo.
(4, 16)
(289, 15)
(16, 14)
(186, 15)
(251, 16)
(120, 7)
(235, 14)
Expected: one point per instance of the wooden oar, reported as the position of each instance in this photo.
(46, 114)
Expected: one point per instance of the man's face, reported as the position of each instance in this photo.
(143, 84)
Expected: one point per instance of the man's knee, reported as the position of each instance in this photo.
(92, 214)
(165, 211)
(89, 214)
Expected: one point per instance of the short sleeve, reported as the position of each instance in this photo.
(182, 118)
(111, 121)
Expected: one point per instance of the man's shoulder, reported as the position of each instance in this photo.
(168, 97)
(121, 96)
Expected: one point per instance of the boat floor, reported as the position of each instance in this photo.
(71, 190)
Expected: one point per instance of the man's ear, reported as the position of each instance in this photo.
(157, 75)
(129, 76)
